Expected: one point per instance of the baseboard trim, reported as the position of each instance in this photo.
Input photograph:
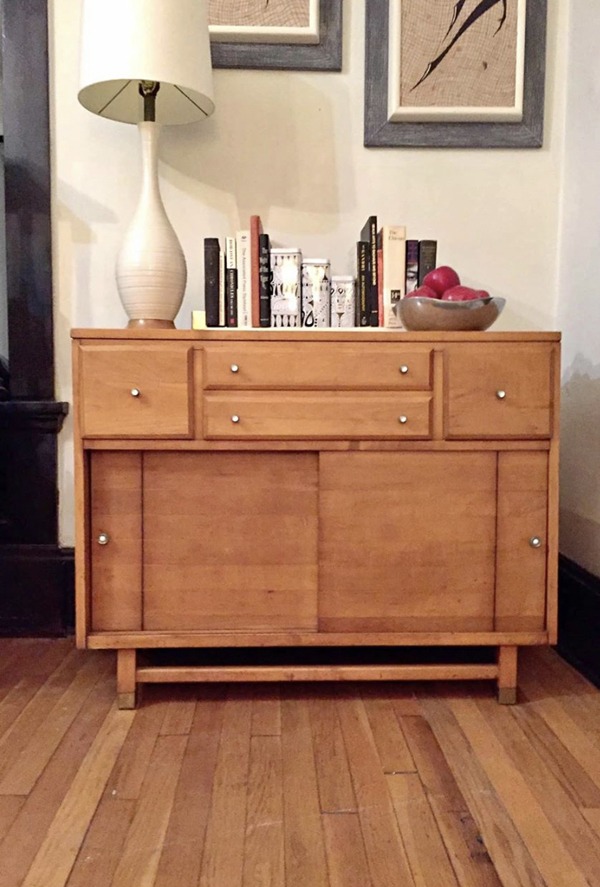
(37, 591)
(579, 618)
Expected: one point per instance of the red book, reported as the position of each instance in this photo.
(380, 285)
(256, 230)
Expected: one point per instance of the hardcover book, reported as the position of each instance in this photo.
(393, 260)
(264, 280)
(212, 255)
(427, 258)
(231, 282)
(412, 265)
(363, 314)
(244, 266)
(256, 230)
(369, 236)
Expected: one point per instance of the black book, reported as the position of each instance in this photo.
(264, 271)
(212, 256)
(231, 287)
(369, 236)
(427, 258)
(363, 313)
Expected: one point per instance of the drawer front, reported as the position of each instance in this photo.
(498, 391)
(141, 391)
(326, 415)
(254, 365)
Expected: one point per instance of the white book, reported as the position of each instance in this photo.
(393, 246)
(244, 257)
(222, 308)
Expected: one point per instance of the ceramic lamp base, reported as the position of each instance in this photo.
(151, 269)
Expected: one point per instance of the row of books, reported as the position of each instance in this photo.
(249, 283)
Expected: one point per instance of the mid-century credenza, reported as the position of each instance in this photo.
(315, 495)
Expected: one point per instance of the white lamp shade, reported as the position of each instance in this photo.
(167, 41)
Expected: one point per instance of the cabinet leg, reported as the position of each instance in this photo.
(507, 675)
(126, 683)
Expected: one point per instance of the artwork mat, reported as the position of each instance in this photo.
(398, 113)
(264, 34)
(381, 132)
(326, 55)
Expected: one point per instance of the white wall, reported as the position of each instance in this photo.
(579, 294)
(289, 147)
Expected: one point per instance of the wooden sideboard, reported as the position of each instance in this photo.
(291, 495)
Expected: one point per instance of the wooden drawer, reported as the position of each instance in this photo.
(498, 391)
(318, 415)
(110, 376)
(254, 365)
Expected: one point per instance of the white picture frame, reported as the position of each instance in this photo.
(397, 113)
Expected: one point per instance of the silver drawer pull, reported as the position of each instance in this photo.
(535, 542)
(501, 395)
(103, 539)
(135, 392)
(403, 420)
(235, 419)
(235, 368)
(404, 369)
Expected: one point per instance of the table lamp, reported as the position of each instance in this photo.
(148, 62)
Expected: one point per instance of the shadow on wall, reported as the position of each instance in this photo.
(580, 464)
(271, 142)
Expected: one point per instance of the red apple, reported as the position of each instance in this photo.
(423, 291)
(463, 294)
(442, 279)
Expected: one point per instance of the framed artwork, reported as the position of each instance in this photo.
(300, 35)
(455, 73)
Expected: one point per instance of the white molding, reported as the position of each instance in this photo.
(463, 114)
(249, 34)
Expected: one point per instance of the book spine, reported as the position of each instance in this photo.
(412, 265)
(373, 275)
(427, 258)
(211, 280)
(362, 258)
(393, 248)
(231, 283)
(380, 285)
(222, 298)
(244, 266)
(255, 235)
(265, 281)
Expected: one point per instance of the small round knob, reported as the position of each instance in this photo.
(535, 542)
(235, 419)
(403, 420)
(135, 392)
(404, 369)
(103, 539)
(235, 368)
(500, 394)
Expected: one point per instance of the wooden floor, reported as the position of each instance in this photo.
(304, 786)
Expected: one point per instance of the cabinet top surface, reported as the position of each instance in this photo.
(269, 335)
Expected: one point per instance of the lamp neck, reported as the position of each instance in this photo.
(149, 90)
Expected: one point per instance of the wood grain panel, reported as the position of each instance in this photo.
(522, 516)
(300, 415)
(160, 372)
(407, 541)
(477, 372)
(116, 483)
(233, 538)
(310, 365)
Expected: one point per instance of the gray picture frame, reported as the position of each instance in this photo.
(326, 55)
(380, 132)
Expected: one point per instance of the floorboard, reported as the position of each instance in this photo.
(402, 785)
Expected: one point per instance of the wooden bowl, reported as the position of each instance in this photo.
(421, 313)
